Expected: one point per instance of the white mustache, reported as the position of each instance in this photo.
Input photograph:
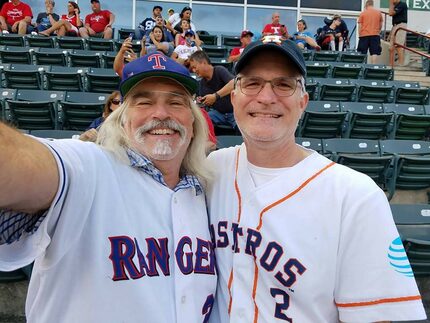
(154, 124)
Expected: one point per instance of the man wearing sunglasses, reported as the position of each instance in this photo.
(119, 231)
(297, 237)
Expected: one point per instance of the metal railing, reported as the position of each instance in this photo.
(404, 45)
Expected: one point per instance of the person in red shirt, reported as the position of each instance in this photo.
(68, 24)
(99, 23)
(245, 40)
(15, 17)
(275, 28)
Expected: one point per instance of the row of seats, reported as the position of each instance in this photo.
(361, 90)
(35, 109)
(392, 164)
(57, 57)
(325, 69)
(330, 119)
(59, 78)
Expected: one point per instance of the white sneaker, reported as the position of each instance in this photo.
(5, 32)
(34, 33)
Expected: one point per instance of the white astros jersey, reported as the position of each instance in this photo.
(116, 246)
(316, 244)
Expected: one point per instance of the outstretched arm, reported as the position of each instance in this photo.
(28, 172)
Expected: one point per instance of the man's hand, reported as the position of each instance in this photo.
(15, 27)
(91, 31)
(108, 26)
(208, 99)
(89, 135)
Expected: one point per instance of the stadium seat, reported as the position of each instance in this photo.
(124, 33)
(346, 70)
(312, 89)
(413, 224)
(336, 90)
(322, 119)
(374, 91)
(55, 134)
(79, 109)
(34, 109)
(410, 92)
(51, 56)
(66, 42)
(367, 120)
(108, 59)
(6, 94)
(378, 72)
(19, 76)
(411, 121)
(412, 163)
(102, 80)
(326, 56)
(208, 39)
(222, 62)
(228, 141)
(135, 45)
(100, 44)
(362, 155)
(317, 69)
(16, 55)
(12, 40)
(85, 58)
(307, 54)
(61, 78)
(215, 51)
(40, 41)
(230, 41)
(353, 57)
(310, 143)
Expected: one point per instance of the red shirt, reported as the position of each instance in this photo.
(211, 128)
(98, 21)
(274, 29)
(72, 19)
(12, 13)
(236, 51)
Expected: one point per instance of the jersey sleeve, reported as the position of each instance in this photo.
(374, 279)
(28, 12)
(76, 169)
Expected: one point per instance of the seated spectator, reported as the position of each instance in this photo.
(330, 35)
(180, 38)
(112, 103)
(183, 52)
(215, 86)
(303, 38)
(245, 40)
(159, 21)
(275, 28)
(69, 23)
(99, 23)
(15, 17)
(47, 18)
(148, 23)
(157, 43)
(174, 20)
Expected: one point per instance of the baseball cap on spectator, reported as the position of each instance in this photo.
(189, 32)
(287, 48)
(171, 9)
(157, 7)
(246, 33)
(155, 64)
(92, 1)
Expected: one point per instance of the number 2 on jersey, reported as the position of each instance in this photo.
(207, 307)
(280, 307)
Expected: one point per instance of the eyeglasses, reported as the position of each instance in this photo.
(281, 86)
(116, 101)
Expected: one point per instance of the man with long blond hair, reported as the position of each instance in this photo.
(119, 228)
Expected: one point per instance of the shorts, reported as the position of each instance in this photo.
(371, 43)
(400, 36)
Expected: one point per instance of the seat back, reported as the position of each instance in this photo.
(85, 58)
(102, 80)
(20, 76)
(40, 41)
(61, 78)
(215, 51)
(16, 55)
(51, 56)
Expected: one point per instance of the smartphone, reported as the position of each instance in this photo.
(131, 35)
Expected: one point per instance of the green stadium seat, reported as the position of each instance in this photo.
(336, 90)
(228, 141)
(6, 94)
(21, 76)
(85, 58)
(12, 40)
(307, 54)
(410, 92)
(67, 42)
(374, 91)
(411, 121)
(317, 69)
(40, 41)
(61, 78)
(310, 143)
(108, 59)
(55, 134)
(136, 46)
(51, 56)
(353, 57)
(16, 55)
(214, 51)
(102, 80)
(208, 39)
(222, 62)
(378, 72)
(367, 120)
(230, 41)
(124, 33)
(100, 44)
(312, 87)
(346, 70)
(326, 56)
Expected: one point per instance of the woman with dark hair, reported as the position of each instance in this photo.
(180, 39)
(68, 24)
(112, 103)
(174, 21)
(304, 38)
(156, 43)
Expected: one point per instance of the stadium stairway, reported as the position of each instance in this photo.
(413, 71)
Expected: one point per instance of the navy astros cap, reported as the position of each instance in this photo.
(287, 48)
(155, 64)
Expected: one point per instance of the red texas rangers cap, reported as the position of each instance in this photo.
(287, 48)
(155, 64)
(246, 33)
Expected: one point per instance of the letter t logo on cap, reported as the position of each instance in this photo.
(157, 58)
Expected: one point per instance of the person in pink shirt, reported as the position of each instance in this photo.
(245, 40)
(275, 28)
(99, 23)
(15, 17)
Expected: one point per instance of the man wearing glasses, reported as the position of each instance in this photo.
(118, 231)
(297, 237)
